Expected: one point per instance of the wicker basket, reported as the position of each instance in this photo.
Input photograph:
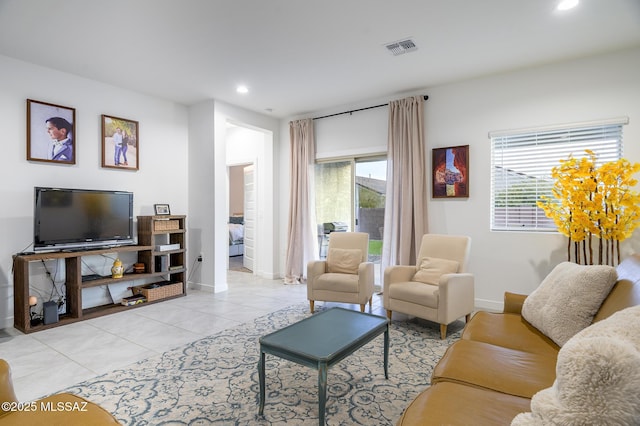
(166, 225)
(163, 290)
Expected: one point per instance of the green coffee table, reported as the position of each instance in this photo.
(320, 341)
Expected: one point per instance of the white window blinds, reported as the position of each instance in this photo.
(521, 163)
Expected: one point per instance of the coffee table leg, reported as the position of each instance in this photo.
(322, 391)
(386, 352)
(262, 385)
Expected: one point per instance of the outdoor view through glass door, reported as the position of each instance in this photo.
(350, 196)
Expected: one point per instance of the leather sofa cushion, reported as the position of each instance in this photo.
(415, 292)
(454, 404)
(493, 367)
(346, 283)
(509, 331)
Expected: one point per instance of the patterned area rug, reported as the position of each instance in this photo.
(215, 380)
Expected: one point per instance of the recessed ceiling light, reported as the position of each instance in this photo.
(567, 4)
(242, 89)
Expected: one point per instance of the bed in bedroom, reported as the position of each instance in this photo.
(236, 236)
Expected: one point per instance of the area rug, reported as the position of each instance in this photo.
(215, 380)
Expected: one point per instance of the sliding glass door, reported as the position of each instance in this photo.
(350, 196)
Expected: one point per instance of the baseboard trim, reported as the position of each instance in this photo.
(489, 305)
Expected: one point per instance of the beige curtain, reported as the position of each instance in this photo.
(405, 211)
(302, 244)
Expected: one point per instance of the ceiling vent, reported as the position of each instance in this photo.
(399, 47)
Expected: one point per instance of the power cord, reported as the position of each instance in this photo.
(193, 268)
(54, 287)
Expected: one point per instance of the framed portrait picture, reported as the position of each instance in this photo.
(450, 172)
(51, 131)
(162, 209)
(120, 143)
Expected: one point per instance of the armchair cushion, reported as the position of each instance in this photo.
(347, 283)
(431, 268)
(416, 292)
(345, 261)
(567, 299)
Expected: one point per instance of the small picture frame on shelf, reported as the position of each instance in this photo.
(162, 209)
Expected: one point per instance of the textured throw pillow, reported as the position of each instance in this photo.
(597, 376)
(431, 268)
(345, 261)
(568, 298)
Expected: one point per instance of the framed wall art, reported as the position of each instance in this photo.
(120, 143)
(51, 131)
(450, 172)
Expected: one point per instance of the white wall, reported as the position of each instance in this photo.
(267, 225)
(463, 113)
(162, 177)
(201, 203)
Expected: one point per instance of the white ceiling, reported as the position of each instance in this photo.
(300, 56)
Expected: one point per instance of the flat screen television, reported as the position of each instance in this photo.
(68, 219)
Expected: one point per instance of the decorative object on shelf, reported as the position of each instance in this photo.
(120, 143)
(51, 133)
(138, 268)
(159, 291)
(166, 225)
(33, 301)
(450, 172)
(133, 300)
(594, 201)
(162, 209)
(117, 270)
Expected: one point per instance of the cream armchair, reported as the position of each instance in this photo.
(437, 289)
(346, 276)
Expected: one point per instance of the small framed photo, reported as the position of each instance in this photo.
(120, 143)
(51, 131)
(162, 209)
(450, 172)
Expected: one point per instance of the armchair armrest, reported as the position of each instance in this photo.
(513, 302)
(398, 273)
(366, 278)
(315, 268)
(457, 296)
(394, 274)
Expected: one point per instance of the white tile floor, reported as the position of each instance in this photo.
(51, 360)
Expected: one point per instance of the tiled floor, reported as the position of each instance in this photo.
(48, 361)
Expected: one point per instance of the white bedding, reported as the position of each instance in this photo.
(236, 233)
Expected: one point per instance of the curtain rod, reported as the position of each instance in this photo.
(356, 110)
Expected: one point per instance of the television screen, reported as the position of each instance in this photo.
(81, 218)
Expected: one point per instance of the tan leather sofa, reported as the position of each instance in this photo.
(501, 361)
(57, 410)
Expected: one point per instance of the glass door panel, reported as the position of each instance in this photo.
(334, 200)
(370, 190)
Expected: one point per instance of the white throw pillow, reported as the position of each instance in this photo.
(597, 377)
(568, 298)
(432, 268)
(345, 261)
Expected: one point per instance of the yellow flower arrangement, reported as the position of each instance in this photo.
(593, 201)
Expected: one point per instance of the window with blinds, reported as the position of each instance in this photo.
(521, 163)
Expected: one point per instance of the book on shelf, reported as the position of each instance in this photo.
(133, 300)
(175, 267)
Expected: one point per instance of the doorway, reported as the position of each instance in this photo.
(242, 221)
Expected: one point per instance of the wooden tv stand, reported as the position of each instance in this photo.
(148, 232)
